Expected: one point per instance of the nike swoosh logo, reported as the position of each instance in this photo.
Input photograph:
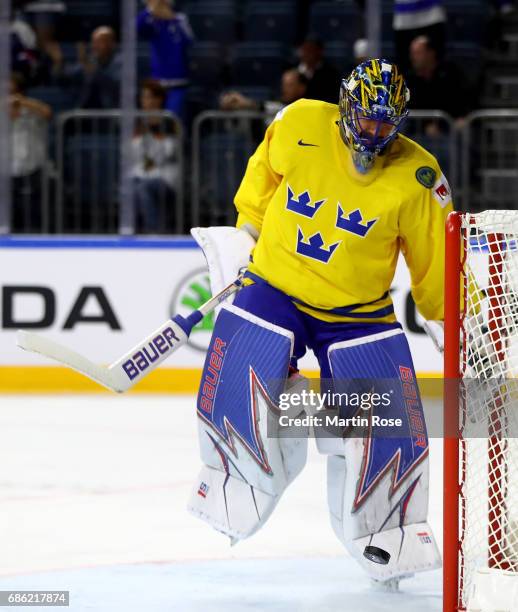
(306, 144)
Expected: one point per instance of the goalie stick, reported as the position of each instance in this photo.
(122, 374)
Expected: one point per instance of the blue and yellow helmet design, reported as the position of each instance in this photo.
(373, 105)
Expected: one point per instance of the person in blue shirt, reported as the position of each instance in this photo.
(169, 35)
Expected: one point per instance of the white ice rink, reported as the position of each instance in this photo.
(93, 491)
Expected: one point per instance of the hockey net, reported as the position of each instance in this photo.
(481, 457)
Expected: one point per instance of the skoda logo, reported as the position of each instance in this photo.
(193, 291)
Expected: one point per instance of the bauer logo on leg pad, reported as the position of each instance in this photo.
(245, 368)
(203, 489)
(382, 362)
(425, 537)
(212, 372)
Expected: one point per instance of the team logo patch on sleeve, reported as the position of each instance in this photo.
(442, 191)
(426, 176)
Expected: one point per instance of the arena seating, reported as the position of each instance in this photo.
(214, 21)
(258, 63)
(270, 21)
(335, 21)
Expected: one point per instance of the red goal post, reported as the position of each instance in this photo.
(480, 544)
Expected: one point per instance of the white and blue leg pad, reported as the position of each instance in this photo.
(247, 467)
(378, 475)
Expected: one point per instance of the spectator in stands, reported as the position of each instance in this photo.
(429, 79)
(97, 76)
(25, 56)
(323, 79)
(293, 87)
(169, 35)
(418, 18)
(155, 169)
(44, 16)
(506, 7)
(361, 51)
(53, 58)
(29, 122)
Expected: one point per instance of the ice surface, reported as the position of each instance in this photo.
(93, 492)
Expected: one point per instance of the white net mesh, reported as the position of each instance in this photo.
(489, 398)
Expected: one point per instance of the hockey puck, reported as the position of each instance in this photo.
(376, 555)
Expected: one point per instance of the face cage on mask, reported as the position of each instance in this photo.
(372, 144)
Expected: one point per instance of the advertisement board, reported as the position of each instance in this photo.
(102, 296)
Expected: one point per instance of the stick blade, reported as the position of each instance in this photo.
(34, 343)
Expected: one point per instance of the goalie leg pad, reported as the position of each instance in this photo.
(229, 504)
(270, 304)
(244, 374)
(411, 544)
(378, 480)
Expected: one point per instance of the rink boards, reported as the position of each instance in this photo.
(101, 296)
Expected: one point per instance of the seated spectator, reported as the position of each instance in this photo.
(155, 170)
(418, 18)
(323, 79)
(29, 122)
(429, 79)
(169, 35)
(293, 87)
(25, 56)
(44, 16)
(97, 76)
(506, 7)
(53, 60)
(361, 51)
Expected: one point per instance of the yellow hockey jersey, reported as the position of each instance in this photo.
(329, 236)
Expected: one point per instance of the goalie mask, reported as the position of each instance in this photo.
(373, 108)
